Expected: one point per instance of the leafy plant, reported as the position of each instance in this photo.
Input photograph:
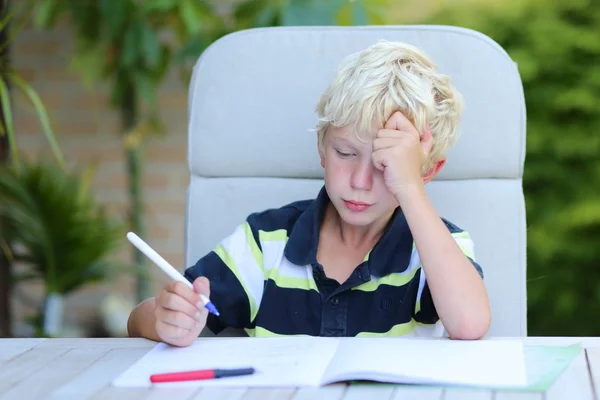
(133, 44)
(9, 77)
(59, 234)
(557, 49)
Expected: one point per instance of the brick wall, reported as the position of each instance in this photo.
(88, 130)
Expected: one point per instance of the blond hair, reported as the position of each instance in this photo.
(387, 77)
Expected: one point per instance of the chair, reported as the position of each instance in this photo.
(251, 108)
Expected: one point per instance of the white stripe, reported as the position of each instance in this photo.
(250, 272)
(272, 253)
(466, 245)
(433, 330)
(274, 259)
(289, 270)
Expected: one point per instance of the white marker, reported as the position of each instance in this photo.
(167, 268)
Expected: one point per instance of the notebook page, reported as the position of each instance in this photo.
(292, 361)
(483, 363)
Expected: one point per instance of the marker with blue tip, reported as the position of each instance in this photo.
(209, 305)
(168, 268)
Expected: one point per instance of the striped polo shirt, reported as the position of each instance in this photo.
(265, 279)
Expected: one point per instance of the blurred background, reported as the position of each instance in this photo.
(93, 125)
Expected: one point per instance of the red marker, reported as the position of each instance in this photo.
(200, 375)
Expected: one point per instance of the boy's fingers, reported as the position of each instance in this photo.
(182, 290)
(399, 122)
(202, 285)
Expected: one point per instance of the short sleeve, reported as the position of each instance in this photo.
(425, 312)
(235, 272)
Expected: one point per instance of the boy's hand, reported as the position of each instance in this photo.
(400, 152)
(180, 313)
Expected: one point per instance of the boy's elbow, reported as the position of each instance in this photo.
(471, 328)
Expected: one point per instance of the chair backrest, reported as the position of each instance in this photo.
(251, 107)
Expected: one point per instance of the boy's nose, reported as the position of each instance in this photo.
(362, 178)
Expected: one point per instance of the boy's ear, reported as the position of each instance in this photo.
(433, 171)
(320, 150)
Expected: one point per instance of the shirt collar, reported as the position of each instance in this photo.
(391, 254)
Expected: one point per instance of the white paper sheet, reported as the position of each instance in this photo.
(484, 363)
(313, 361)
(296, 361)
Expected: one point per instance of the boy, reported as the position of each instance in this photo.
(369, 256)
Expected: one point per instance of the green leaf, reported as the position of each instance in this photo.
(114, 14)
(190, 17)
(90, 63)
(47, 13)
(192, 49)
(42, 114)
(150, 47)
(144, 86)
(164, 62)
(158, 5)
(310, 12)
(10, 12)
(8, 121)
(130, 50)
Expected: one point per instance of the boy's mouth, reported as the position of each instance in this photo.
(356, 205)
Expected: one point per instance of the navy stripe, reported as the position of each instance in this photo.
(380, 310)
(289, 311)
(226, 293)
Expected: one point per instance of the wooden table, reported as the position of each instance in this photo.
(84, 369)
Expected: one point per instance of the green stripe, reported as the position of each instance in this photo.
(290, 282)
(391, 280)
(279, 235)
(228, 260)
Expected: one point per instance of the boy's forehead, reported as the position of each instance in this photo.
(351, 134)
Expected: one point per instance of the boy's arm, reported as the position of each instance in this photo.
(456, 287)
(457, 290)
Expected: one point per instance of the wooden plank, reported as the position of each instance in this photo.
(11, 348)
(574, 383)
(330, 392)
(467, 394)
(54, 374)
(369, 390)
(506, 395)
(209, 393)
(171, 393)
(100, 374)
(108, 343)
(593, 362)
(269, 394)
(114, 393)
(21, 342)
(403, 392)
(23, 366)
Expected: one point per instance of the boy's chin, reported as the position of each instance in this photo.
(362, 218)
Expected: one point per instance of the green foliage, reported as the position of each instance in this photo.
(8, 77)
(557, 48)
(58, 233)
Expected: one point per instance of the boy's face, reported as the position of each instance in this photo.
(354, 185)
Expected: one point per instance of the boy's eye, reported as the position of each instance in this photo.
(342, 154)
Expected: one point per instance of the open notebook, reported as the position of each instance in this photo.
(316, 361)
